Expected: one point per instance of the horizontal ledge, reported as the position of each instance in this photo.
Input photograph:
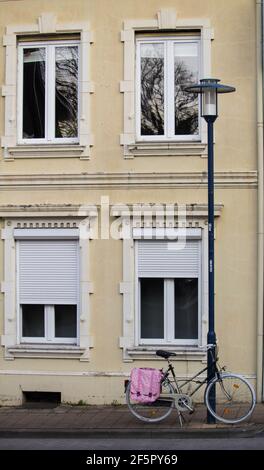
(128, 179)
(45, 151)
(65, 373)
(43, 210)
(152, 149)
(46, 351)
(50, 210)
(182, 354)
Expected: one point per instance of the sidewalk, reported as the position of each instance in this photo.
(117, 421)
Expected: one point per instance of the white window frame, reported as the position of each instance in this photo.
(49, 311)
(169, 314)
(197, 228)
(60, 225)
(50, 78)
(168, 42)
(166, 20)
(47, 24)
(49, 328)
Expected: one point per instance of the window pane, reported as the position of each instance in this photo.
(33, 323)
(152, 308)
(186, 308)
(34, 93)
(185, 73)
(66, 119)
(152, 89)
(65, 321)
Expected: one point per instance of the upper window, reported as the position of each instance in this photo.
(165, 66)
(49, 95)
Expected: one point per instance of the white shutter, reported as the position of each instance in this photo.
(48, 272)
(157, 259)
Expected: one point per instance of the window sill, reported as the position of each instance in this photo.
(183, 353)
(46, 151)
(157, 149)
(45, 351)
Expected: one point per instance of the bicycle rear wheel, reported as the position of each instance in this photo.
(152, 412)
(235, 398)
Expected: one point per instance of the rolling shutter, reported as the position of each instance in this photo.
(157, 258)
(48, 272)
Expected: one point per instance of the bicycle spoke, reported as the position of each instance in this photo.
(152, 412)
(235, 398)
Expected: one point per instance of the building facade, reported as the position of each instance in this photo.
(103, 204)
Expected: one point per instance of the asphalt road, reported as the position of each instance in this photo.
(246, 443)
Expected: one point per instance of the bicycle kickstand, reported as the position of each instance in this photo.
(181, 418)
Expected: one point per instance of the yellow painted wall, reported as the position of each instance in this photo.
(233, 59)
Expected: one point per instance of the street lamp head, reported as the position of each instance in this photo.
(209, 88)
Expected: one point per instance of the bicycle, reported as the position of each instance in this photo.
(235, 398)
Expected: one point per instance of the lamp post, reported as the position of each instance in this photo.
(209, 88)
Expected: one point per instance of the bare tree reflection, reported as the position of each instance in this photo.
(186, 104)
(67, 91)
(152, 98)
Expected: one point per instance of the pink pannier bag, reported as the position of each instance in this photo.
(145, 384)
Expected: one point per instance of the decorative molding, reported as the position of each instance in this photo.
(196, 213)
(162, 180)
(48, 216)
(46, 224)
(45, 352)
(46, 24)
(83, 373)
(159, 149)
(129, 341)
(165, 19)
(66, 211)
(183, 354)
(47, 151)
(18, 218)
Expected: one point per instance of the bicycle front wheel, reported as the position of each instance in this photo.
(234, 398)
(152, 412)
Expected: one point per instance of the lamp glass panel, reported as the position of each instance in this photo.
(209, 103)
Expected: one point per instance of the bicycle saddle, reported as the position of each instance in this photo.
(165, 354)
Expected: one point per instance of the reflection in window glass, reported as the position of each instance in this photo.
(34, 93)
(152, 89)
(33, 323)
(65, 321)
(186, 308)
(185, 74)
(152, 308)
(66, 104)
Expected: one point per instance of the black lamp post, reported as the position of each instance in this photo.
(209, 89)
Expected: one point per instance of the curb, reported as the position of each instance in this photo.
(134, 433)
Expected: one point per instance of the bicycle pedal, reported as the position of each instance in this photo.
(191, 412)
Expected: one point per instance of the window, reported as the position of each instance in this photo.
(49, 95)
(49, 322)
(48, 290)
(169, 292)
(165, 66)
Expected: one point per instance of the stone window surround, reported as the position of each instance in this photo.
(166, 20)
(10, 339)
(46, 24)
(127, 342)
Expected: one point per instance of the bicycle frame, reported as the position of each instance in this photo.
(179, 387)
